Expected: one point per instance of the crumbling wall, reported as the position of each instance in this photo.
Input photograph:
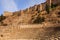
(6, 13)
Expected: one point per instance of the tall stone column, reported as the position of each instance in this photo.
(50, 2)
(35, 7)
(41, 8)
(28, 9)
(21, 11)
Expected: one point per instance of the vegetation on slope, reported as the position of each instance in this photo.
(2, 18)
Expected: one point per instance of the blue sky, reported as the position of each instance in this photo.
(15, 5)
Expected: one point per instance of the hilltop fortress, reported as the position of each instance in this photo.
(39, 7)
(35, 23)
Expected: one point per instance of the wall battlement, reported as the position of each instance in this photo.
(6, 13)
(53, 1)
(39, 7)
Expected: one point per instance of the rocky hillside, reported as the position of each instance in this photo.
(34, 15)
(40, 22)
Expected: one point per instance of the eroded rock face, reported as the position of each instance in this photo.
(53, 1)
(29, 15)
(34, 23)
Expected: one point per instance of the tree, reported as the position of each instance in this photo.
(47, 8)
(2, 18)
(53, 5)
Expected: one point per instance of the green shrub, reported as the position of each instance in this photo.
(53, 5)
(47, 8)
(39, 20)
(2, 18)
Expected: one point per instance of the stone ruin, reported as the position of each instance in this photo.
(39, 7)
(6, 13)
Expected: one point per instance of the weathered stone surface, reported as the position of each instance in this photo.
(37, 33)
(20, 25)
(6, 13)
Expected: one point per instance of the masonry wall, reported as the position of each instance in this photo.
(7, 13)
(53, 1)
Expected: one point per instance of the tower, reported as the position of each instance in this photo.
(41, 7)
(22, 12)
(49, 2)
(27, 9)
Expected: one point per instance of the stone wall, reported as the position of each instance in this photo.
(53, 1)
(6, 13)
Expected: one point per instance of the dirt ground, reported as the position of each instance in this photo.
(17, 33)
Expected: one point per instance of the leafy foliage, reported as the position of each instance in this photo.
(39, 20)
(2, 18)
(47, 8)
(53, 5)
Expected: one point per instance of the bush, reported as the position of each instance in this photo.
(53, 5)
(39, 20)
(2, 24)
(2, 18)
(47, 8)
